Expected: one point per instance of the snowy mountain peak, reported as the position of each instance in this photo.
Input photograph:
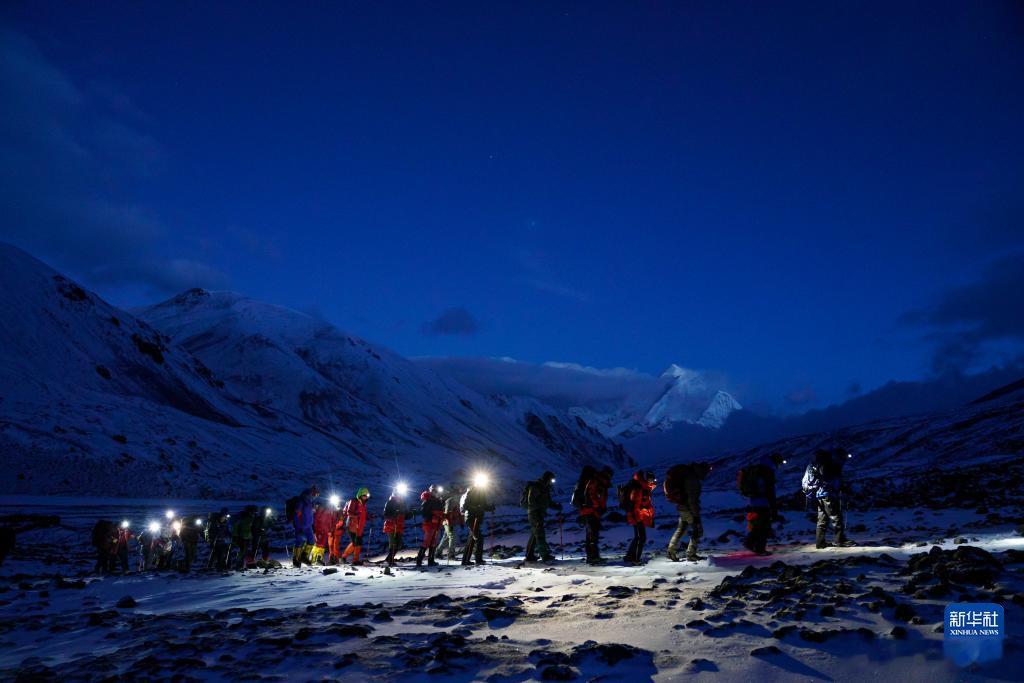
(677, 371)
(719, 410)
(682, 396)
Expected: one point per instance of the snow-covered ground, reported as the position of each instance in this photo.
(837, 614)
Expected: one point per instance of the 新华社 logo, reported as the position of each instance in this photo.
(973, 632)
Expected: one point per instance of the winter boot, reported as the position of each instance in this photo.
(430, 557)
(356, 562)
(297, 556)
(695, 557)
(305, 552)
(672, 555)
(842, 541)
(419, 557)
(819, 540)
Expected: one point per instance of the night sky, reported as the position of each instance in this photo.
(809, 198)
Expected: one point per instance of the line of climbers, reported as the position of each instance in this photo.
(321, 526)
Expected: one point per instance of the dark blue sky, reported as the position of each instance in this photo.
(807, 198)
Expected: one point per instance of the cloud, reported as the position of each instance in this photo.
(66, 153)
(563, 385)
(540, 275)
(454, 322)
(966, 324)
(802, 396)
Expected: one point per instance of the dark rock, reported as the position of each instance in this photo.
(766, 651)
(904, 612)
(327, 571)
(813, 636)
(828, 611)
(558, 672)
(349, 630)
(898, 632)
(609, 653)
(127, 602)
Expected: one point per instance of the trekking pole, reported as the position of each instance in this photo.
(561, 537)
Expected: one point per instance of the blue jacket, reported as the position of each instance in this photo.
(304, 512)
(766, 485)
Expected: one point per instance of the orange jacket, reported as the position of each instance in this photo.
(643, 508)
(355, 516)
(596, 497)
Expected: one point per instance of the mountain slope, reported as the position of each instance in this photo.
(291, 362)
(94, 401)
(906, 448)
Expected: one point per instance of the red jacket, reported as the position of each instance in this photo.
(323, 524)
(432, 508)
(643, 509)
(394, 516)
(596, 497)
(355, 516)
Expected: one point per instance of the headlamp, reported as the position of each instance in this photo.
(154, 527)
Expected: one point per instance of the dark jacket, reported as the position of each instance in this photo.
(823, 478)
(539, 499)
(474, 503)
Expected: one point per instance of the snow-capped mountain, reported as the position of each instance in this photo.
(219, 395)
(683, 396)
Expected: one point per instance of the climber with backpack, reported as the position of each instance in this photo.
(355, 524)
(104, 539)
(396, 511)
(432, 513)
(300, 511)
(453, 521)
(757, 484)
(218, 539)
(536, 498)
(823, 482)
(590, 497)
(683, 487)
(635, 498)
(474, 505)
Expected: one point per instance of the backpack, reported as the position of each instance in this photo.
(809, 483)
(101, 533)
(675, 478)
(524, 497)
(624, 491)
(579, 492)
(289, 508)
(749, 480)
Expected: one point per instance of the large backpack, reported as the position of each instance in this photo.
(750, 479)
(524, 497)
(579, 492)
(675, 479)
(624, 493)
(101, 533)
(810, 482)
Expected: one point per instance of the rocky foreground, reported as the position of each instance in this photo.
(780, 617)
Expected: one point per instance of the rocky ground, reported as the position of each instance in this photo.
(874, 611)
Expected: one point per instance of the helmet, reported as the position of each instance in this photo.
(363, 491)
